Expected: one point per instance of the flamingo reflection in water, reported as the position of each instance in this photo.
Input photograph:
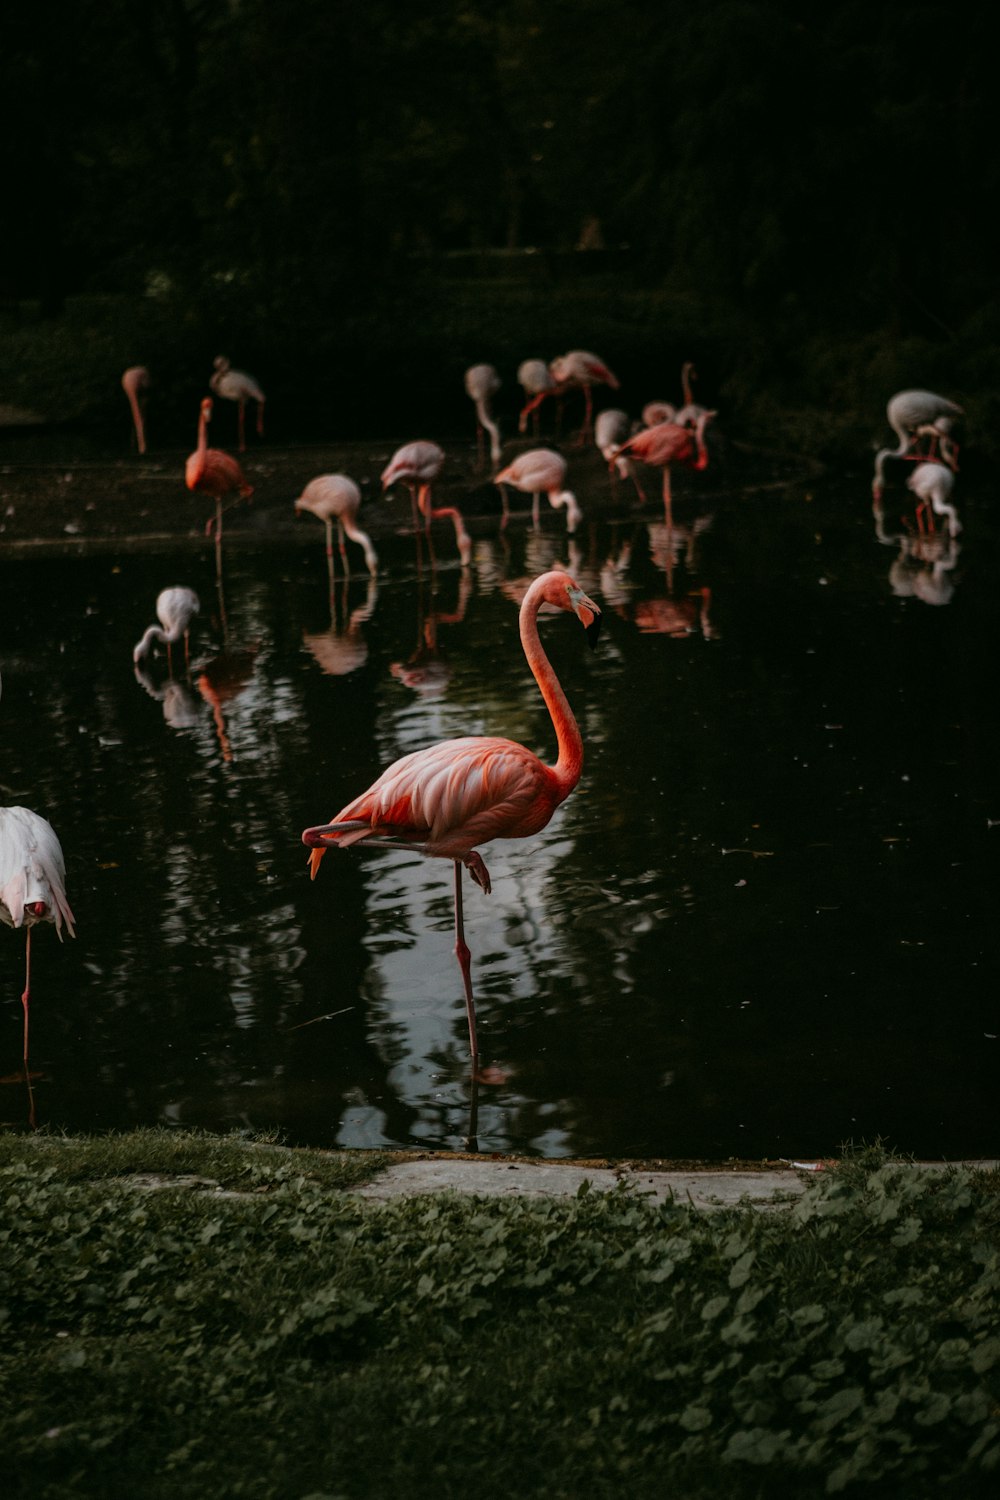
(924, 567)
(427, 671)
(446, 800)
(342, 648)
(222, 680)
(180, 706)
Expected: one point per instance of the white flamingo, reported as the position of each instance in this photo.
(176, 607)
(238, 386)
(481, 384)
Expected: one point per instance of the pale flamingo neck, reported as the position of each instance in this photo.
(568, 766)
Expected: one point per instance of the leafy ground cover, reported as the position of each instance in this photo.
(284, 1338)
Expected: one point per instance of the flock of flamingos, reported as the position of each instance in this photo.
(447, 800)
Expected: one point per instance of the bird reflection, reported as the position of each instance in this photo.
(224, 678)
(180, 706)
(924, 567)
(342, 648)
(427, 671)
(685, 608)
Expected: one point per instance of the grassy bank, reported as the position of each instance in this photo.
(273, 1336)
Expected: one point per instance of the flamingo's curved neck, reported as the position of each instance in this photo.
(568, 766)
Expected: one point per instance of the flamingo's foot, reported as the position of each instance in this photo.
(474, 864)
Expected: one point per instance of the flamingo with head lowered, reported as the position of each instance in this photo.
(417, 465)
(448, 799)
(334, 497)
(135, 384)
(481, 384)
(175, 609)
(209, 471)
(541, 471)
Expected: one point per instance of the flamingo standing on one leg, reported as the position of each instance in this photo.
(668, 444)
(334, 497)
(579, 369)
(209, 471)
(453, 796)
(238, 386)
(536, 380)
(175, 609)
(135, 384)
(481, 384)
(417, 465)
(542, 471)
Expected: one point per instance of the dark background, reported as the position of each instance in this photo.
(355, 201)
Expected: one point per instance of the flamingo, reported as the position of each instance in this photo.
(417, 465)
(481, 384)
(447, 799)
(238, 386)
(690, 411)
(334, 497)
(932, 483)
(175, 609)
(536, 380)
(668, 444)
(579, 369)
(655, 412)
(542, 471)
(212, 472)
(135, 384)
(611, 430)
(908, 410)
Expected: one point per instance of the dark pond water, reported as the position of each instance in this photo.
(763, 925)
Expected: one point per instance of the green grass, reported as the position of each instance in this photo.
(290, 1340)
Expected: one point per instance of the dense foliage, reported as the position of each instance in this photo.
(781, 192)
(288, 1340)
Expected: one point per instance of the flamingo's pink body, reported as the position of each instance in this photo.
(581, 370)
(209, 471)
(446, 800)
(135, 384)
(335, 497)
(542, 471)
(666, 444)
(238, 386)
(417, 465)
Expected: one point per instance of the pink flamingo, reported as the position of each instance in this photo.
(135, 384)
(536, 380)
(668, 444)
(417, 465)
(334, 497)
(32, 884)
(579, 369)
(455, 795)
(175, 609)
(209, 471)
(238, 386)
(542, 471)
(481, 384)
